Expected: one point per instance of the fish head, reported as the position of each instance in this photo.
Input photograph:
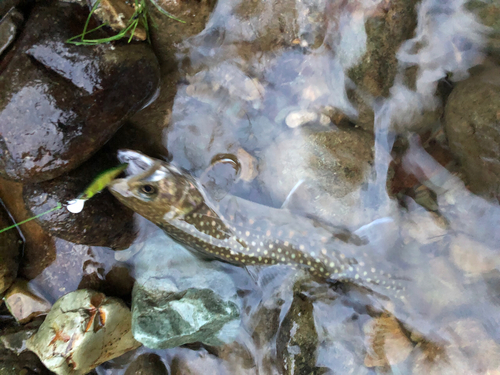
(155, 189)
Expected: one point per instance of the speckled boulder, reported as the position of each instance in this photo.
(59, 103)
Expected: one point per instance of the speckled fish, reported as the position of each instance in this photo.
(243, 232)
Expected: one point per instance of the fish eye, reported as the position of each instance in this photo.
(148, 190)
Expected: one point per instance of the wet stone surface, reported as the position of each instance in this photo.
(60, 103)
(102, 222)
(9, 28)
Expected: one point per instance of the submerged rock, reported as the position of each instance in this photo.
(180, 299)
(386, 342)
(10, 249)
(488, 12)
(60, 103)
(472, 123)
(331, 164)
(390, 24)
(83, 330)
(147, 364)
(103, 220)
(24, 303)
(297, 340)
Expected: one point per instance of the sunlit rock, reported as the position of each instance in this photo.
(179, 299)
(84, 329)
(24, 303)
(472, 123)
(297, 340)
(10, 248)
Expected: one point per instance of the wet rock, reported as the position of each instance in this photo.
(179, 299)
(488, 12)
(83, 330)
(472, 123)
(10, 251)
(59, 103)
(103, 220)
(332, 165)
(147, 364)
(472, 256)
(386, 342)
(297, 340)
(24, 303)
(390, 24)
(9, 27)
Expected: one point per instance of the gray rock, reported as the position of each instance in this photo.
(179, 298)
(472, 123)
(147, 364)
(83, 330)
(297, 340)
(488, 12)
(60, 103)
(10, 248)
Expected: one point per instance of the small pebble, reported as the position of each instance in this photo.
(299, 118)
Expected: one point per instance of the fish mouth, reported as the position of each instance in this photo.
(137, 163)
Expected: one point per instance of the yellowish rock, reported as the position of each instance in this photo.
(83, 329)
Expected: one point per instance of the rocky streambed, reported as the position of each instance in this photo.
(378, 121)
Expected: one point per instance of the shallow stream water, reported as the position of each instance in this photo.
(259, 84)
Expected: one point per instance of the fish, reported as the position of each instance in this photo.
(241, 232)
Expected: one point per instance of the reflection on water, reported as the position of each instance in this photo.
(277, 85)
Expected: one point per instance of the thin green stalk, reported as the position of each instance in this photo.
(59, 205)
